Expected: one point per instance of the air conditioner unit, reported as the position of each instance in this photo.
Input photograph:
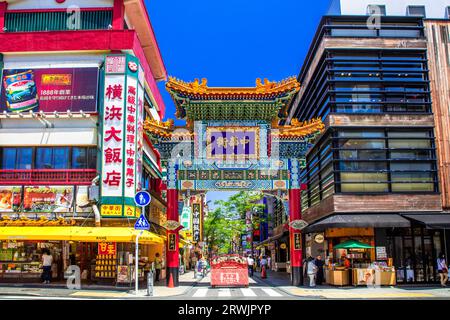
(94, 193)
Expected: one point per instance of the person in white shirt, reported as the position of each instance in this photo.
(47, 260)
(311, 270)
(442, 269)
(269, 263)
(250, 263)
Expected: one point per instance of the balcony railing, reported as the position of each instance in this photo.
(47, 176)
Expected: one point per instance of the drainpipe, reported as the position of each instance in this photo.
(96, 215)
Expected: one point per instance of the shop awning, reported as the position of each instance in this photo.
(358, 221)
(86, 234)
(431, 221)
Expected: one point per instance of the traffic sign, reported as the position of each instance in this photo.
(142, 223)
(142, 198)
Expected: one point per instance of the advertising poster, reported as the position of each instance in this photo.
(123, 274)
(49, 90)
(48, 199)
(10, 198)
(82, 202)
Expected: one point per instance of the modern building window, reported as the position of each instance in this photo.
(447, 12)
(375, 9)
(16, 158)
(48, 158)
(416, 11)
(370, 160)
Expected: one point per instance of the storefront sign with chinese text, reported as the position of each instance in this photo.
(172, 242)
(196, 217)
(297, 241)
(113, 136)
(238, 142)
(107, 248)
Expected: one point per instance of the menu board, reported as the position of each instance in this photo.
(381, 253)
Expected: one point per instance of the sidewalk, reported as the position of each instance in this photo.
(59, 290)
(282, 281)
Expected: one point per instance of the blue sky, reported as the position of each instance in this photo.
(233, 42)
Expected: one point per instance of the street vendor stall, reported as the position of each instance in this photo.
(355, 267)
(229, 270)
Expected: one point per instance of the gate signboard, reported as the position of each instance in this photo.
(229, 271)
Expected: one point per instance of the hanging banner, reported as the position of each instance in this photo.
(186, 218)
(196, 221)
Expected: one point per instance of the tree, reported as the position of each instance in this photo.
(227, 223)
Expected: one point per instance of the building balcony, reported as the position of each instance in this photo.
(47, 176)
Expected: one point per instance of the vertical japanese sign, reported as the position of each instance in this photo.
(140, 130)
(196, 220)
(122, 136)
(113, 122)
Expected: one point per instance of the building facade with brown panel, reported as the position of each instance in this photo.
(380, 165)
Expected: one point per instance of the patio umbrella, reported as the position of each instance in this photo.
(352, 244)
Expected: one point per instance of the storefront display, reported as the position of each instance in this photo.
(105, 266)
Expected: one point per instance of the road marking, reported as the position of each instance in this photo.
(200, 293)
(224, 293)
(359, 295)
(247, 292)
(250, 280)
(98, 294)
(271, 292)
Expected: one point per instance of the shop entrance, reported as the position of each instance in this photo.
(415, 251)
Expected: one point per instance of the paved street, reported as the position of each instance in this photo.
(275, 287)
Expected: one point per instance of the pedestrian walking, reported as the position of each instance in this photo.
(264, 267)
(319, 264)
(269, 263)
(312, 270)
(251, 264)
(47, 260)
(442, 269)
(158, 266)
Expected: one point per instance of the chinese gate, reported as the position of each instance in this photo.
(233, 140)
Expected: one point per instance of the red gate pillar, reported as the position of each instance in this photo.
(295, 238)
(173, 238)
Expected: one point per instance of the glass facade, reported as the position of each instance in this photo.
(48, 158)
(368, 82)
(370, 160)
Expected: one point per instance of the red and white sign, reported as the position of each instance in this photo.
(107, 248)
(113, 136)
(131, 133)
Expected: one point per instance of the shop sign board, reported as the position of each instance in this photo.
(196, 221)
(381, 253)
(107, 248)
(122, 151)
(186, 218)
(297, 241)
(234, 142)
(172, 242)
(111, 210)
(49, 90)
